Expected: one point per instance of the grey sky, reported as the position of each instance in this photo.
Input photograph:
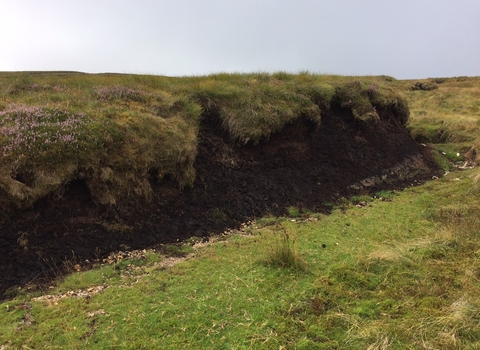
(401, 38)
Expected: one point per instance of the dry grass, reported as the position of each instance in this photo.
(476, 183)
(451, 256)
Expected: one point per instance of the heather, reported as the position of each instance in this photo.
(118, 92)
(32, 130)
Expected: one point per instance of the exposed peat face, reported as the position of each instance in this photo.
(303, 166)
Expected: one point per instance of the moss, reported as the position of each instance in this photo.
(354, 278)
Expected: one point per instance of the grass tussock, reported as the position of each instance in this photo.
(473, 154)
(284, 253)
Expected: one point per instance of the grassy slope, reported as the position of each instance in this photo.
(396, 274)
(448, 116)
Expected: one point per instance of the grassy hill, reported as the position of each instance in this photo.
(397, 270)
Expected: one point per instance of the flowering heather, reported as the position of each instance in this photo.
(117, 92)
(29, 129)
(22, 87)
(38, 87)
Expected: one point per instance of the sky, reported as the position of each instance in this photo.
(406, 39)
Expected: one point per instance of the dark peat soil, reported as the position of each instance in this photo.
(303, 166)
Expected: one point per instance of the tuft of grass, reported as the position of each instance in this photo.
(473, 154)
(284, 253)
(294, 212)
(355, 97)
(252, 107)
(178, 250)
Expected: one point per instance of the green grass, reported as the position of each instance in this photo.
(397, 274)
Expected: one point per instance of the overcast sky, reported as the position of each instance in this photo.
(405, 39)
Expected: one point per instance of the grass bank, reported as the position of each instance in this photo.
(116, 131)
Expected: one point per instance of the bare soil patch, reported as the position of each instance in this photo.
(303, 166)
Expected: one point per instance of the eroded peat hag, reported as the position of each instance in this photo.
(304, 165)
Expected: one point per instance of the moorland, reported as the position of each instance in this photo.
(260, 210)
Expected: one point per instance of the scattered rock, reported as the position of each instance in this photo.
(126, 254)
(27, 320)
(81, 293)
(466, 165)
(96, 313)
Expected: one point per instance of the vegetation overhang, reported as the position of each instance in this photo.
(115, 131)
